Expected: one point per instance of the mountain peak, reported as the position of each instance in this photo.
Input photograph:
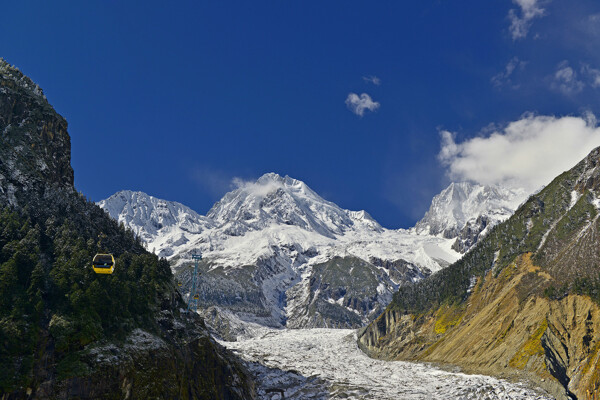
(271, 177)
(271, 202)
(462, 202)
(147, 215)
(274, 199)
(271, 182)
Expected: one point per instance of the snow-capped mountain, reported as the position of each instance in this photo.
(466, 211)
(162, 225)
(276, 200)
(276, 253)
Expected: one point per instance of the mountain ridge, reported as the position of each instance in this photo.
(284, 232)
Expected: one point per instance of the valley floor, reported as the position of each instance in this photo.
(327, 364)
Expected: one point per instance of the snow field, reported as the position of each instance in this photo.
(327, 364)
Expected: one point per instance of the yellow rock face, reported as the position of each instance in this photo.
(507, 328)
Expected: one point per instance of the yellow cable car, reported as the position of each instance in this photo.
(103, 263)
(179, 283)
(196, 297)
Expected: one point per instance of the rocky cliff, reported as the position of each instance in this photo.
(523, 302)
(66, 332)
(36, 149)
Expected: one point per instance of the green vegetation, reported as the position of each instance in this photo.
(532, 347)
(585, 286)
(49, 293)
(448, 317)
(52, 305)
(64, 330)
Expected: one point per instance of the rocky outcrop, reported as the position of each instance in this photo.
(344, 292)
(182, 362)
(35, 148)
(470, 234)
(401, 271)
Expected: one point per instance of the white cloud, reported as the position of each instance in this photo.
(527, 153)
(372, 79)
(595, 78)
(358, 104)
(593, 75)
(259, 188)
(521, 22)
(565, 79)
(504, 78)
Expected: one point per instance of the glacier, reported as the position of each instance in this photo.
(327, 364)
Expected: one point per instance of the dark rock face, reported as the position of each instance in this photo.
(470, 234)
(182, 362)
(344, 292)
(35, 148)
(401, 271)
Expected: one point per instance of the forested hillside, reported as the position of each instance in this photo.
(66, 331)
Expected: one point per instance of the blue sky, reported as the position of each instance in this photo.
(188, 96)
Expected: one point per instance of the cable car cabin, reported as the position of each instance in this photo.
(196, 297)
(103, 263)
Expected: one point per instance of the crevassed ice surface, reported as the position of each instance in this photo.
(327, 364)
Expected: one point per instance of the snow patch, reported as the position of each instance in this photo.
(575, 196)
(472, 283)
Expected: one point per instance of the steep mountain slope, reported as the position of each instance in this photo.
(66, 332)
(162, 225)
(277, 253)
(524, 301)
(467, 211)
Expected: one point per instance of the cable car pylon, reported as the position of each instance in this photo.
(194, 291)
